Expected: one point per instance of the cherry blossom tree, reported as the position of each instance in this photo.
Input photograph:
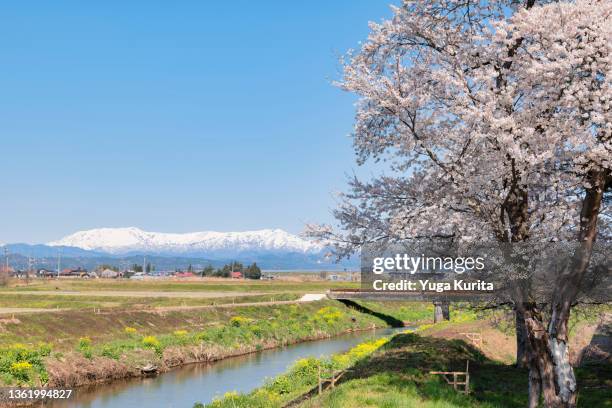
(495, 120)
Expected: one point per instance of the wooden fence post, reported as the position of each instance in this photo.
(467, 377)
(455, 382)
(320, 388)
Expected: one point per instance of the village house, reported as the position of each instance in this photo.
(110, 274)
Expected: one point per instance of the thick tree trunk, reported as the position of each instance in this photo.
(549, 348)
(540, 357)
(535, 386)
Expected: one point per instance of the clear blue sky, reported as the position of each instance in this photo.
(174, 116)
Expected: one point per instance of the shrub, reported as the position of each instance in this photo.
(256, 330)
(84, 347)
(18, 351)
(151, 342)
(6, 378)
(238, 321)
(280, 385)
(330, 314)
(365, 349)
(21, 370)
(261, 398)
(111, 352)
(44, 349)
(22, 364)
(84, 342)
(306, 369)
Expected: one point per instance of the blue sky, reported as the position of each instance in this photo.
(174, 117)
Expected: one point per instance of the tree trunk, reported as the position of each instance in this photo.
(549, 348)
(535, 386)
(540, 358)
(543, 363)
(521, 339)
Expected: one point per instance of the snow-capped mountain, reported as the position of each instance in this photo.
(131, 240)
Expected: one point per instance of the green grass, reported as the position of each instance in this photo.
(275, 286)
(397, 375)
(126, 334)
(44, 301)
(389, 390)
(63, 328)
(406, 311)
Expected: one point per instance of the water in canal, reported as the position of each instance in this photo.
(182, 387)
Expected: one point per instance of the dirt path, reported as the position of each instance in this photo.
(9, 310)
(143, 294)
(21, 310)
(225, 305)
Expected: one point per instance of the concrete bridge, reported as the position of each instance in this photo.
(402, 296)
(441, 301)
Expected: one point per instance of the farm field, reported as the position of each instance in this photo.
(191, 285)
(97, 293)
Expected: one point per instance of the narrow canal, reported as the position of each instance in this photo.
(202, 382)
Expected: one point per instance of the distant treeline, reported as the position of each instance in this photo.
(250, 272)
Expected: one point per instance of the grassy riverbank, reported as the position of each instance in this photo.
(74, 347)
(395, 373)
(299, 379)
(399, 376)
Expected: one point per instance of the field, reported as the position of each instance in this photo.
(89, 294)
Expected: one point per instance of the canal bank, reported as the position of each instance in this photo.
(181, 386)
(199, 336)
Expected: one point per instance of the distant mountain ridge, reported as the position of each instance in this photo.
(272, 249)
(41, 251)
(119, 241)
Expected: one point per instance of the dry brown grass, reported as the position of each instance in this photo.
(75, 370)
(502, 347)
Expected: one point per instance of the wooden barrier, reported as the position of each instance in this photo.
(475, 338)
(455, 381)
(335, 376)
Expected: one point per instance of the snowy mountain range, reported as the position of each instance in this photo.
(272, 249)
(122, 241)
